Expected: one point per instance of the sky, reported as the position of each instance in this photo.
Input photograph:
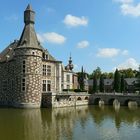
(97, 33)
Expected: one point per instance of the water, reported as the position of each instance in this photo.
(80, 123)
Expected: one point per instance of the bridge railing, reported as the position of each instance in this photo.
(119, 94)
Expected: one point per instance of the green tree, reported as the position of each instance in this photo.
(137, 85)
(122, 84)
(101, 83)
(97, 71)
(81, 79)
(117, 81)
(128, 73)
(95, 83)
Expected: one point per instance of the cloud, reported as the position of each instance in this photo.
(83, 44)
(129, 63)
(129, 8)
(73, 21)
(107, 52)
(51, 37)
(125, 52)
(132, 10)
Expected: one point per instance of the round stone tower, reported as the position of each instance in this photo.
(28, 66)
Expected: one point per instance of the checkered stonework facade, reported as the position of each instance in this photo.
(28, 71)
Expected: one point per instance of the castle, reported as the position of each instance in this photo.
(27, 70)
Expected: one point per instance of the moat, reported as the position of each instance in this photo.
(80, 123)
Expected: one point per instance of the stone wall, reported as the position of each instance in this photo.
(64, 100)
(12, 75)
(77, 99)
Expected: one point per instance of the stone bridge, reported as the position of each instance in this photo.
(110, 98)
(75, 99)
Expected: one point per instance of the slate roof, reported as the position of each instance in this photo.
(109, 82)
(28, 39)
(131, 81)
(8, 52)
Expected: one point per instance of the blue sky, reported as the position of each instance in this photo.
(104, 33)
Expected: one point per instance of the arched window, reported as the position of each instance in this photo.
(86, 98)
(79, 98)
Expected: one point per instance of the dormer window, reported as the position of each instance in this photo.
(45, 56)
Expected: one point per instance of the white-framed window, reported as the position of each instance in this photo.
(23, 84)
(44, 70)
(45, 56)
(48, 70)
(68, 86)
(48, 85)
(44, 86)
(68, 78)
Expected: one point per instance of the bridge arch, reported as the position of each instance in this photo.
(79, 99)
(110, 101)
(86, 98)
(96, 101)
(126, 102)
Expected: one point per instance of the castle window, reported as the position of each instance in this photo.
(12, 85)
(49, 70)
(44, 86)
(48, 85)
(4, 86)
(23, 66)
(46, 57)
(44, 70)
(68, 86)
(43, 55)
(23, 84)
(68, 78)
(33, 53)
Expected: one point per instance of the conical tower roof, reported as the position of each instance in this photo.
(28, 38)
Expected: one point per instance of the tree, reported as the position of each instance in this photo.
(122, 84)
(117, 81)
(97, 71)
(128, 73)
(102, 83)
(137, 85)
(94, 83)
(81, 79)
(139, 79)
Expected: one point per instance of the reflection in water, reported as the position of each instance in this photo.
(80, 123)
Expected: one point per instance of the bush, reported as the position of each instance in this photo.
(75, 90)
(79, 90)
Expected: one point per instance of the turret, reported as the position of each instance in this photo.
(28, 60)
(70, 65)
(29, 15)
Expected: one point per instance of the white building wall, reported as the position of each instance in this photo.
(65, 82)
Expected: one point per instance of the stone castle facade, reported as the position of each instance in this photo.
(27, 70)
